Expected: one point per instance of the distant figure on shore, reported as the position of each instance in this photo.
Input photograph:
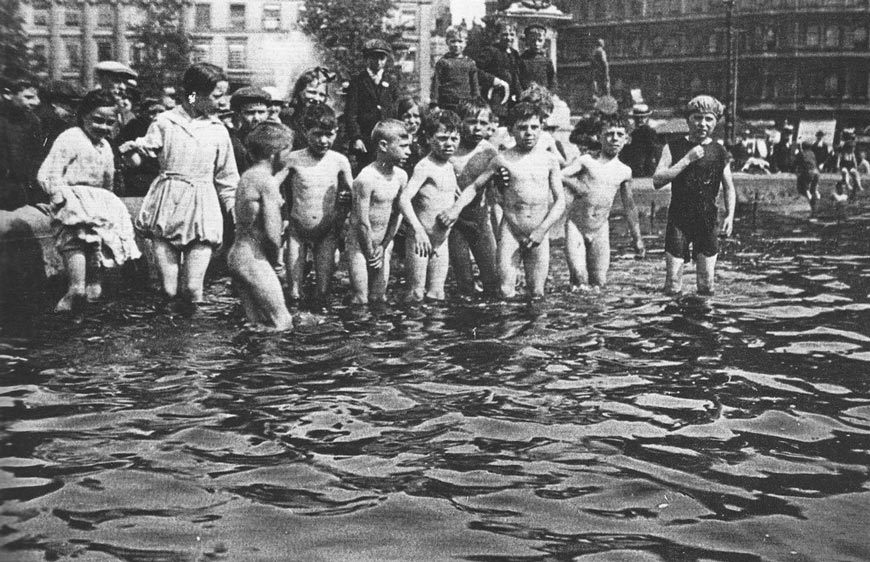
(807, 174)
(600, 71)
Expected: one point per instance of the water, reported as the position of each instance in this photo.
(621, 427)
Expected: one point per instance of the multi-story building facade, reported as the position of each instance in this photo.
(257, 41)
(797, 59)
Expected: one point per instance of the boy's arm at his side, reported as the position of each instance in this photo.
(625, 192)
(270, 208)
(345, 180)
(448, 218)
(730, 196)
(666, 171)
(361, 198)
(556, 210)
(422, 245)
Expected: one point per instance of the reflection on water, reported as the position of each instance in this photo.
(625, 426)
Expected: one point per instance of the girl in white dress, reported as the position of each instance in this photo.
(181, 212)
(92, 225)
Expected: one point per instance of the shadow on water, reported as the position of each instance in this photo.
(620, 426)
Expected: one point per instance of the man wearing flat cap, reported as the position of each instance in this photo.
(250, 107)
(370, 97)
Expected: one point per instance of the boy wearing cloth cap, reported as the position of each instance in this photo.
(250, 107)
(535, 65)
(695, 166)
(369, 99)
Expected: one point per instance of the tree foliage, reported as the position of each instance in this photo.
(340, 28)
(164, 47)
(16, 60)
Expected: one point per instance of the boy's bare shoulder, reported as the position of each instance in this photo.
(337, 157)
(256, 179)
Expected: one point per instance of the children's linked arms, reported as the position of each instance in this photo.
(666, 172)
(449, 217)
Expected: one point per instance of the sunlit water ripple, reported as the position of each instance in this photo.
(625, 426)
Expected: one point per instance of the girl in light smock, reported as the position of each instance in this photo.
(92, 225)
(181, 212)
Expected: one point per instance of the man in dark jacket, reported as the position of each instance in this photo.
(20, 145)
(370, 97)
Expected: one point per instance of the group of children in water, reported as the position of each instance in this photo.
(499, 205)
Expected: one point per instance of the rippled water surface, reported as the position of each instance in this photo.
(626, 426)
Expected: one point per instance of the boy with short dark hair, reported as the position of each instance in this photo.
(257, 246)
(535, 65)
(695, 166)
(250, 107)
(431, 190)
(587, 225)
(473, 230)
(529, 210)
(454, 80)
(21, 148)
(375, 217)
(319, 180)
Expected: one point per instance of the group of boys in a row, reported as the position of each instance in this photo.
(500, 204)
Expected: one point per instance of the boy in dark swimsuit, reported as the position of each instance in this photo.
(695, 166)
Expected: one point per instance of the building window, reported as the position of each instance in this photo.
(272, 16)
(237, 17)
(105, 16)
(811, 39)
(713, 43)
(72, 16)
(832, 37)
(202, 17)
(859, 83)
(636, 8)
(859, 38)
(237, 56)
(73, 51)
(104, 50)
(41, 14)
(40, 55)
(202, 52)
(831, 83)
(768, 41)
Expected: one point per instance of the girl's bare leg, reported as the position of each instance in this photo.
(196, 259)
(75, 263)
(167, 257)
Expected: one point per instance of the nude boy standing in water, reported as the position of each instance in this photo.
(375, 216)
(319, 182)
(257, 245)
(535, 181)
(587, 228)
